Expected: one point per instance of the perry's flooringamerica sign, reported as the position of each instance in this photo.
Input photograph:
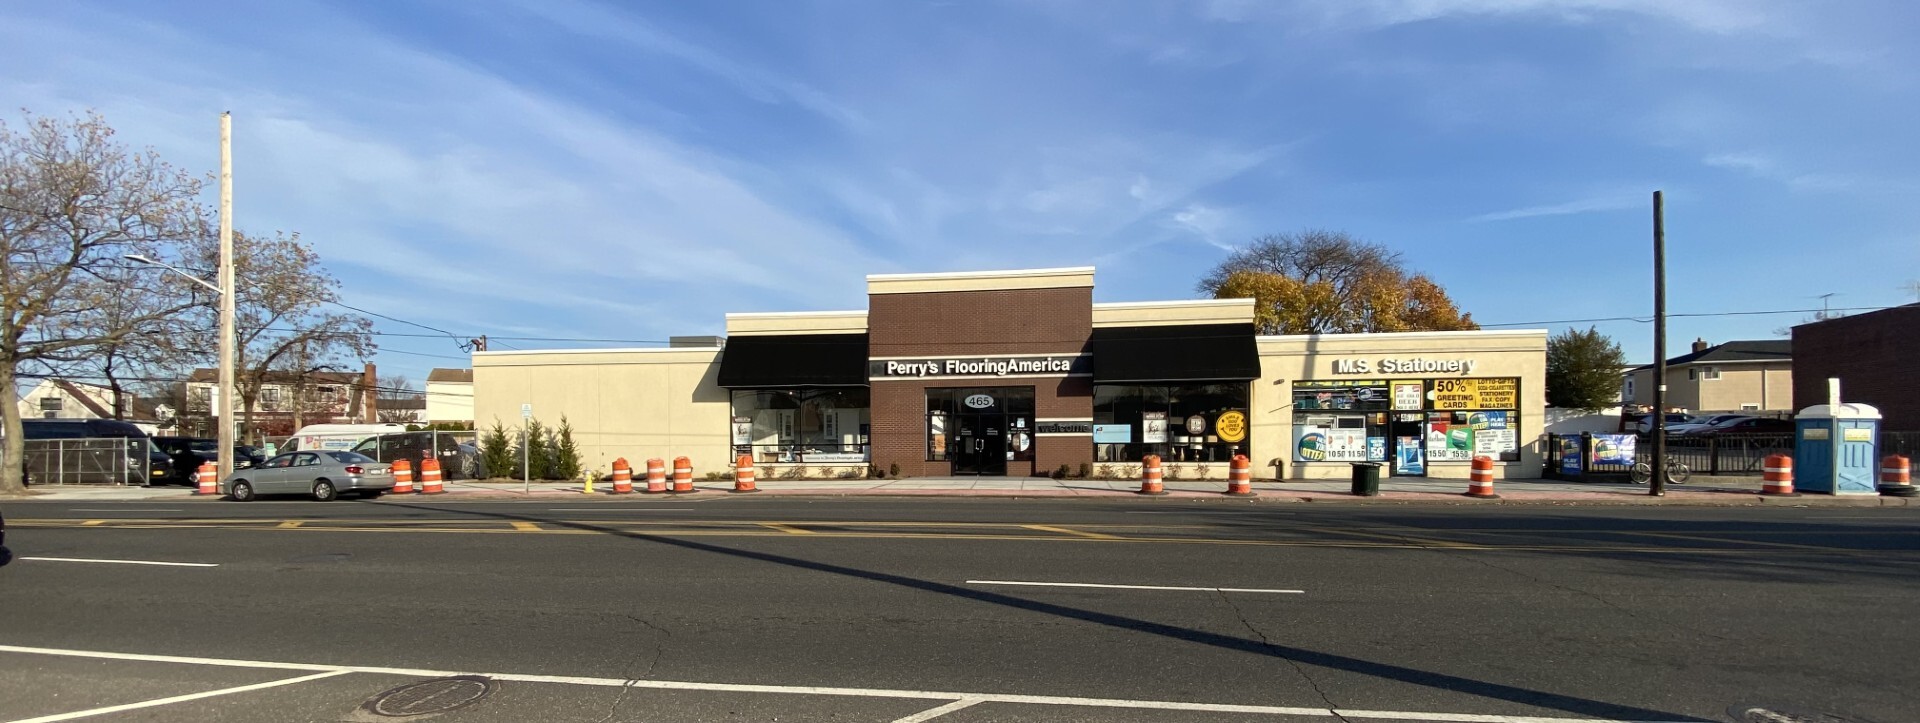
(980, 367)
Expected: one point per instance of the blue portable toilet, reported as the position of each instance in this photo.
(1834, 449)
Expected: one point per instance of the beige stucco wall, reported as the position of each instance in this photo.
(1285, 359)
(1072, 277)
(1167, 313)
(635, 403)
(450, 402)
(808, 322)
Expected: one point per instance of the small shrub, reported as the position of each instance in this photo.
(1086, 470)
(1201, 470)
(1173, 471)
(1061, 473)
(873, 470)
(850, 474)
(893, 470)
(1106, 471)
(798, 471)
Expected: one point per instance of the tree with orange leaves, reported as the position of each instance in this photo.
(1319, 282)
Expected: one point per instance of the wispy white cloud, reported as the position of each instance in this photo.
(1610, 202)
(1712, 16)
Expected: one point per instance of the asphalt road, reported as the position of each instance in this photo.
(733, 608)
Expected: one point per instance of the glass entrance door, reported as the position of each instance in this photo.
(980, 445)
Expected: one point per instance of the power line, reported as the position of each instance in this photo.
(1648, 320)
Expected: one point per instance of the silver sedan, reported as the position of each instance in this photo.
(322, 474)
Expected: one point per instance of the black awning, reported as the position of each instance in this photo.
(794, 360)
(1179, 353)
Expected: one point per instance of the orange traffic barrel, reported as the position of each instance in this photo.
(1480, 480)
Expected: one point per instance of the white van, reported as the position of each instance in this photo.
(336, 436)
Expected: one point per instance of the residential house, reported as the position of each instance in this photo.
(1738, 376)
(406, 410)
(64, 399)
(450, 396)
(286, 401)
(1874, 357)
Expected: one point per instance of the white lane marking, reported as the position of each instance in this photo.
(814, 690)
(124, 562)
(122, 509)
(181, 698)
(932, 713)
(1131, 587)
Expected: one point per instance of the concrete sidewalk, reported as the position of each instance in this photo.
(1720, 491)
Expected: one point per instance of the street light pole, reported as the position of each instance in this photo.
(1657, 486)
(226, 295)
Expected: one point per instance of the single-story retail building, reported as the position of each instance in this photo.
(1021, 373)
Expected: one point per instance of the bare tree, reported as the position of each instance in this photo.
(73, 201)
(154, 346)
(282, 321)
(396, 386)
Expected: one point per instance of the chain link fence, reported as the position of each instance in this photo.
(90, 461)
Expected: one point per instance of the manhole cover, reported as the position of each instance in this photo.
(1773, 714)
(431, 696)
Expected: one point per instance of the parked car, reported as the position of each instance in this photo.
(1752, 425)
(456, 462)
(1644, 425)
(188, 453)
(324, 475)
(1704, 423)
(140, 452)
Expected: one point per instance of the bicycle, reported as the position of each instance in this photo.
(1677, 473)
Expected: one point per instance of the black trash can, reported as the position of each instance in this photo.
(1366, 479)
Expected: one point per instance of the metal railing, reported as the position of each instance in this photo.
(89, 461)
(1727, 454)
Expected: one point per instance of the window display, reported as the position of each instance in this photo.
(807, 426)
(1178, 422)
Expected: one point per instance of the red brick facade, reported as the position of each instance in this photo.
(1875, 356)
(978, 323)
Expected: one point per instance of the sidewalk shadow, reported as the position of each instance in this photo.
(1441, 681)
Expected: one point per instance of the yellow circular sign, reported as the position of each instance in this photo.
(1231, 426)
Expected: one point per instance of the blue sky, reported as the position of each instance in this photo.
(570, 168)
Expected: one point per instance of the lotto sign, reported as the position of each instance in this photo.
(1501, 393)
(1231, 426)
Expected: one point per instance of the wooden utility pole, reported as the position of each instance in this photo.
(1657, 485)
(225, 409)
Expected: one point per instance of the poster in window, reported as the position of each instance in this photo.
(937, 434)
(743, 430)
(1230, 426)
(1112, 433)
(1482, 393)
(1376, 449)
(1493, 435)
(1407, 396)
(1407, 458)
(1330, 439)
(1569, 455)
(1448, 440)
(1153, 427)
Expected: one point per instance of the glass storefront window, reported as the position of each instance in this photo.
(809, 426)
(1439, 420)
(1131, 421)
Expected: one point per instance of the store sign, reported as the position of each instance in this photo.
(1196, 424)
(1486, 393)
(1414, 365)
(979, 401)
(1063, 427)
(1038, 365)
(1231, 426)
